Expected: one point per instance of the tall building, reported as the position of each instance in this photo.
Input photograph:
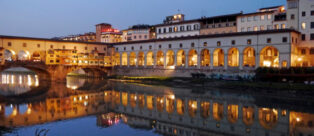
(137, 33)
(107, 34)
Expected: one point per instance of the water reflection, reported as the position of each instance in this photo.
(14, 84)
(168, 111)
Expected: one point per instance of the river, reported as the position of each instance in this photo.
(94, 107)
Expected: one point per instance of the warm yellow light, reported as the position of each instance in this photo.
(298, 119)
(267, 63)
(172, 67)
(172, 97)
(299, 59)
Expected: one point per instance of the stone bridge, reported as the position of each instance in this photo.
(56, 72)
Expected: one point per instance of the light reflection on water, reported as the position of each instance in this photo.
(14, 84)
(129, 109)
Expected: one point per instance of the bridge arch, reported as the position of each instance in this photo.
(23, 55)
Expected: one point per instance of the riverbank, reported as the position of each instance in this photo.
(215, 83)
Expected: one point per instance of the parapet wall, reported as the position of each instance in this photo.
(161, 72)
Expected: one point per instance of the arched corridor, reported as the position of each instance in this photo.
(133, 59)
(269, 57)
(150, 59)
(233, 57)
(141, 58)
(219, 57)
(268, 118)
(170, 58)
(205, 58)
(117, 59)
(249, 57)
(160, 58)
(181, 58)
(23, 55)
(193, 58)
(124, 59)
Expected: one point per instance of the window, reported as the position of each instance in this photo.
(159, 46)
(269, 27)
(268, 40)
(233, 42)
(262, 28)
(192, 45)
(262, 17)
(124, 48)
(292, 17)
(63, 47)
(140, 37)
(205, 44)
(255, 28)
(196, 27)
(51, 61)
(242, 19)
(170, 29)
(283, 26)
(51, 46)
(249, 29)
(134, 37)
(9, 44)
(303, 51)
(141, 47)
(38, 45)
(169, 46)
(303, 37)
(242, 29)
(188, 27)
(181, 28)
(249, 41)
(312, 25)
(159, 30)
(276, 26)
(312, 36)
(218, 43)
(303, 14)
(165, 30)
(303, 25)
(255, 18)
(24, 44)
(312, 51)
(181, 45)
(249, 19)
(145, 36)
(132, 48)
(269, 17)
(284, 39)
(312, 13)
(292, 4)
(150, 47)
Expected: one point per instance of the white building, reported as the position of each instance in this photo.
(176, 26)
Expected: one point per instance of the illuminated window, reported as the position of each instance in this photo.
(218, 43)
(283, 26)
(303, 25)
(269, 17)
(249, 41)
(262, 28)
(262, 17)
(255, 28)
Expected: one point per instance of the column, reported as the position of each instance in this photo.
(136, 59)
(128, 59)
(257, 63)
(175, 58)
(241, 60)
(211, 59)
(199, 60)
(186, 61)
(145, 59)
(120, 59)
(226, 61)
(155, 59)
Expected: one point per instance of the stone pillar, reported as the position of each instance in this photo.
(257, 63)
(128, 59)
(145, 60)
(241, 61)
(199, 60)
(226, 61)
(175, 59)
(136, 60)
(211, 59)
(155, 59)
(186, 61)
(120, 60)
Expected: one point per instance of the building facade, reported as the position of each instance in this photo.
(105, 33)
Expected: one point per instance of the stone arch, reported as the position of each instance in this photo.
(233, 57)
(124, 59)
(150, 59)
(23, 55)
(205, 58)
(268, 118)
(218, 111)
(169, 105)
(219, 57)
(192, 104)
(160, 58)
(36, 56)
(160, 103)
(205, 109)
(9, 55)
(269, 57)
(170, 58)
(132, 59)
(117, 59)
(181, 58)
(141, 58)
(249, 57)
(193, 57)
(180, 106)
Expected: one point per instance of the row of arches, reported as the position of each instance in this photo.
(267, 117)
(10, 55)
(269, 57)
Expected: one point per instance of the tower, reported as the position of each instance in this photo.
(293, 14)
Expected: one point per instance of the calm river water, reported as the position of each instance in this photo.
(90, 107)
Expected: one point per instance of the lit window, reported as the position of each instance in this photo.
(276, 26)
(255, 28)
(262, 28)
(303, 25)
(283, 26)
(262, 17)
(269, 17)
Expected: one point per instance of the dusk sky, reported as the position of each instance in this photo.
(50, 18)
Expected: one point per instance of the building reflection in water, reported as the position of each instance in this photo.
(14, 84)
(172, 113)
